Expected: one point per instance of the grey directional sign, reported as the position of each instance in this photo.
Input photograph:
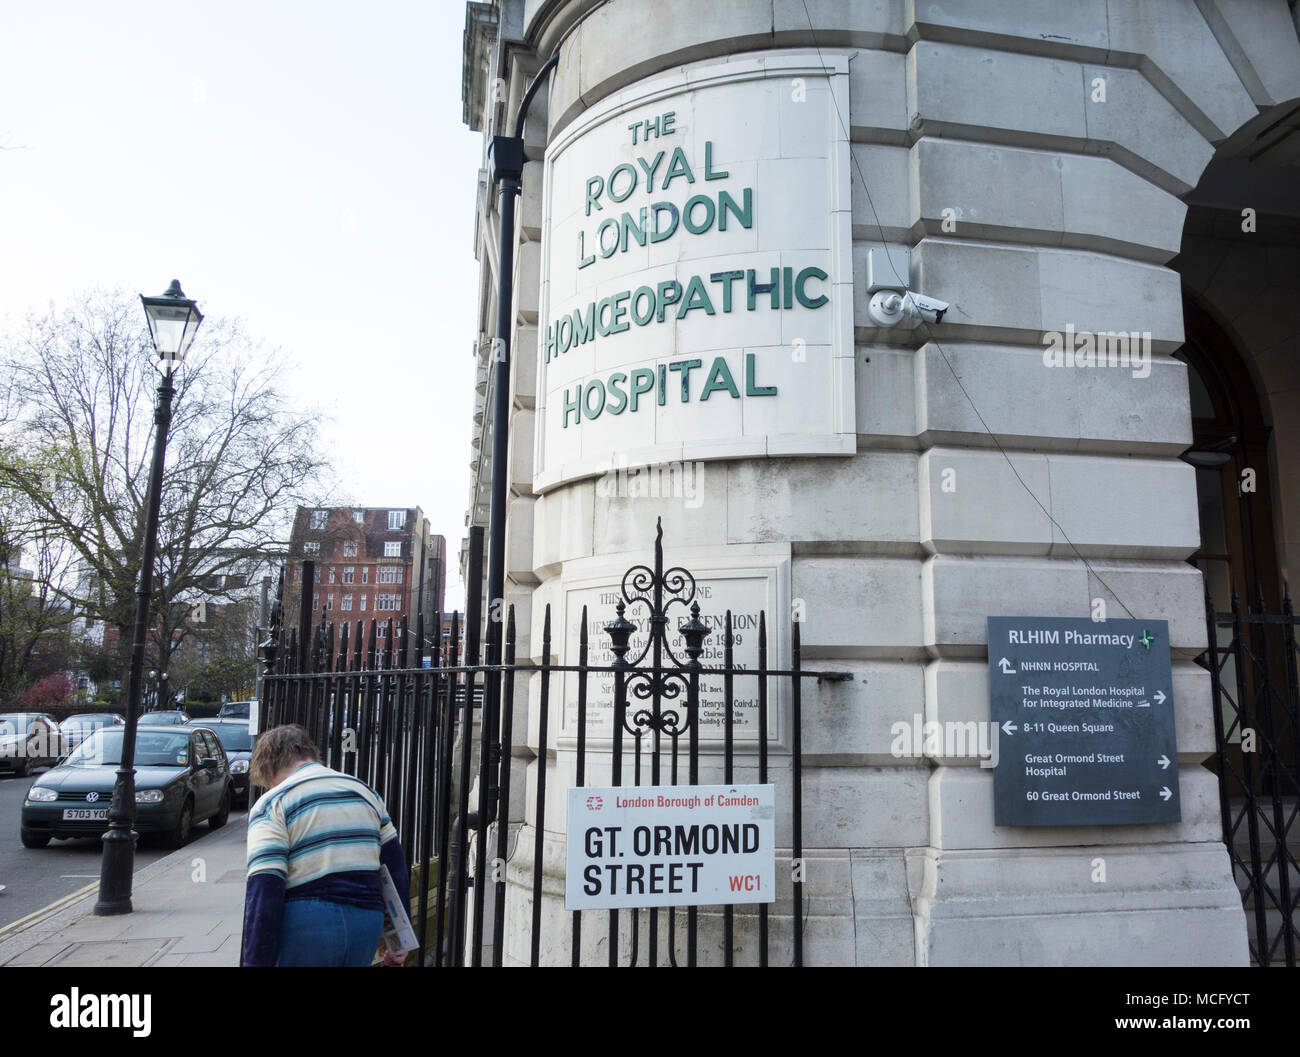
(1085, 713)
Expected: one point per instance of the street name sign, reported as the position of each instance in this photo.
(1085, 718)
(657, 846)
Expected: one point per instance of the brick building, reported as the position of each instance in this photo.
(369, 563)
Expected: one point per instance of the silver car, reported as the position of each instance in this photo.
(28, 740)
(168, 717)
(76, 729)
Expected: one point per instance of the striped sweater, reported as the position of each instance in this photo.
(319, 834)
(317, 822)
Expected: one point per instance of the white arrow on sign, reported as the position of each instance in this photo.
(1009, 728)
(1159, 695)
(1163, 761)
(1165, 794)
(1006, 667)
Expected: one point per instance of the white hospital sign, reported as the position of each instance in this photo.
(655, 846)
(697, 294)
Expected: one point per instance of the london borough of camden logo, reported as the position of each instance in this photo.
(594, 803)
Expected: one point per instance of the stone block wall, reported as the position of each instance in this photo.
(1026, 162)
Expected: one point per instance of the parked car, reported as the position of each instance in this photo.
(164, 717)
(238, 743)
(28, 740)
(76, 729)
(235, 710)
(182, 777)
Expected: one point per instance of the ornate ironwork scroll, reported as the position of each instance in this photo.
(663, 692)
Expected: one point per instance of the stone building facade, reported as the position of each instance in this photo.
(1049, 170)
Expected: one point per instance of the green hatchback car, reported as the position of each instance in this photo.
(182, 777)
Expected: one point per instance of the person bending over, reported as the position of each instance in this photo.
(316, 840)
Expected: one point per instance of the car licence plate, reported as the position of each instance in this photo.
(84, 814)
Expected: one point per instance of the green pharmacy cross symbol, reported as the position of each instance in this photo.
(1146, 638)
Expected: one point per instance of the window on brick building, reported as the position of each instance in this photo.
(318, 518)
(345, 603)
(385, 602)
(349, 548)
(393, 550)
(365, 574)
(331, 574)
(396, 520)
(359, 516)
(348, 573)
(363, 601)
(311, 548)
(388, 574)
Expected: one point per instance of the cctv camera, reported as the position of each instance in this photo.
(888, 308)
(892, 303)
(931, 309)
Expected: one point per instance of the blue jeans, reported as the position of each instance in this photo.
(318, 932)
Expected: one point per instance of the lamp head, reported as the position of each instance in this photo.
(173, 321)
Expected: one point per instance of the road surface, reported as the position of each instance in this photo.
(35, 877)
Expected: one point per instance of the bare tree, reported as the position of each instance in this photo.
(239, 458)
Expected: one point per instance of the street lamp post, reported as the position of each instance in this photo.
(173, 321)
(506, 157)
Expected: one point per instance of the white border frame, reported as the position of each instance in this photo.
(841, 438)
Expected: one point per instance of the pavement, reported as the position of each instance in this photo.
(188, 910)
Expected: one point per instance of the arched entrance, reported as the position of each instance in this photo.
(1242, 324)
(1234, 479)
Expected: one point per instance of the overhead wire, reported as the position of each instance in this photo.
(942, 352)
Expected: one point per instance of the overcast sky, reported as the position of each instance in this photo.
(300, 165)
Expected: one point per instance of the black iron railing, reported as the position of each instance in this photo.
(408, 732)
(1257, 724)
